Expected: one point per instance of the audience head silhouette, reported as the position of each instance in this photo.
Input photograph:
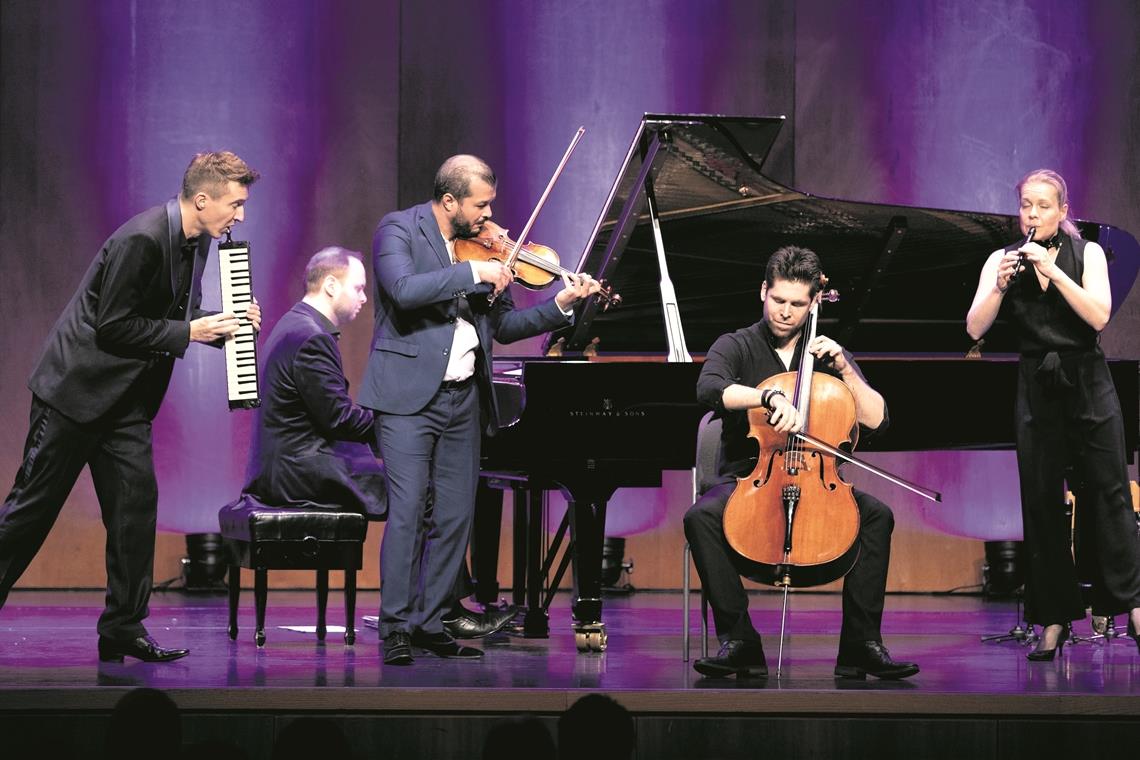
(306, 738)
(598, 727)
(144, 724)
(519, 737)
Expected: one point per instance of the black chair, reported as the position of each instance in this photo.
(704, 478)
(264, 538)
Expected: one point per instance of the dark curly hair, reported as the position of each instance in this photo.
(795, 264)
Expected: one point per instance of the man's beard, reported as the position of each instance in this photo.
(461, 228)
(783, 333)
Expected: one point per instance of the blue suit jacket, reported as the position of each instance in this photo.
(416, 291)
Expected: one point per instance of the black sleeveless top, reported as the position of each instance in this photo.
(1044, 320)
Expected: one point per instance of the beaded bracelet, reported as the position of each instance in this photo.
(766, 398)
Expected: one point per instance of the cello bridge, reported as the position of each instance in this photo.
(794, 461)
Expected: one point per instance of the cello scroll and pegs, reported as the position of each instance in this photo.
(830, 295)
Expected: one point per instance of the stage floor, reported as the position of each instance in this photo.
(972, 699)
(48, 659)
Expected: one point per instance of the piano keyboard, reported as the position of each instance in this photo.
(241, 347)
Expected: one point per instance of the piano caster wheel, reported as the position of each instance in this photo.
(590, 639)
(259, 637)
(233, 633)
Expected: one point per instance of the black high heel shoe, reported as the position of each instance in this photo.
(1047, 655)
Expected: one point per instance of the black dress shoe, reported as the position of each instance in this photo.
(475, 625)
(143, 648)
(443, 645)
(857, 660)
(398, 648)
(735, 658)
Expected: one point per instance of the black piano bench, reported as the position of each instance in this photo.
(265, 538)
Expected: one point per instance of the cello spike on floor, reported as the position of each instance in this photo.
(783, 618)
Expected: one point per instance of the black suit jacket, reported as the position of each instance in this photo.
(309, 438)
(121, 327)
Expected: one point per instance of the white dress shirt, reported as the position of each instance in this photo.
(461, 360)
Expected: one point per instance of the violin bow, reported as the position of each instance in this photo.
(829, 449)
(510, 262)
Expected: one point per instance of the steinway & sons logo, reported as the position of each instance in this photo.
(608, 410)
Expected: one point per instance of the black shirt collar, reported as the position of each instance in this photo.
(325, 323)
(188, 246)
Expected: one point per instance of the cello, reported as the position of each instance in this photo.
(794, 515)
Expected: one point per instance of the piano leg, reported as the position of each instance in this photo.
(587, 533)
(485, 531)
(518, 554)
(536, 622)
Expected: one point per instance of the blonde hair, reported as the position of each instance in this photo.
(1050, 177)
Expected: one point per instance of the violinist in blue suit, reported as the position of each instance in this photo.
(429, 379)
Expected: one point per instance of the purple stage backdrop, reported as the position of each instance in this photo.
(347, 108)
(947, 105)
(105, 103)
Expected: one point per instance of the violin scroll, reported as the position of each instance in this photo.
(607, 297)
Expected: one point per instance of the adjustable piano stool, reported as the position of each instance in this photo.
(265, 538)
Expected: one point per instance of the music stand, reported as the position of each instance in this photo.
(1109, 635)
(1022, 631)
(1002, 576)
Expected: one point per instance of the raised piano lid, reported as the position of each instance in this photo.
(906, 275)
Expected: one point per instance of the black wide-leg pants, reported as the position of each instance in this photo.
(1068, 422)
(117, 449)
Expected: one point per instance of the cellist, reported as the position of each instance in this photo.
(730, 383)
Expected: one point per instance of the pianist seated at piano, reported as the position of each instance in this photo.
(310, 444)
(731, 382)
(101, 379)
(1053, 287)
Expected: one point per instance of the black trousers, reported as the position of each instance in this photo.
(486, 528)
(1068, 421)
(720, 568)
(117, 449)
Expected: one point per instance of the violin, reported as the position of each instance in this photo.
(535, 266)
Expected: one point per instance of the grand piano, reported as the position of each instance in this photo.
(684, 237)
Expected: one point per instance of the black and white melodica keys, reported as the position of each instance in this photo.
(241, 347)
